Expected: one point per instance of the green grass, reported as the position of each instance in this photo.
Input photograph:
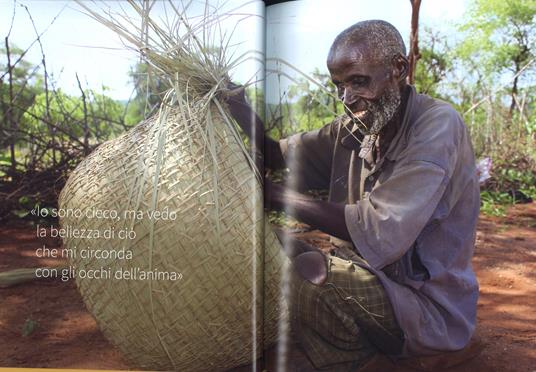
(283, 220)
(493, 203)
(507, 178)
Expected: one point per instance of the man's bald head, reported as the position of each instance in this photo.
(381, 38)
(367, 64)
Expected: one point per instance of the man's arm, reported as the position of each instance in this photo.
(253, 127)
(325, 216)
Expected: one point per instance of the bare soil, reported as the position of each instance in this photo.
(61, 333)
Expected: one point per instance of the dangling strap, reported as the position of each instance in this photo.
(363, 173)
(362, 178)
(351, 196)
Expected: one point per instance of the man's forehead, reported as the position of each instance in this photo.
(358, 51)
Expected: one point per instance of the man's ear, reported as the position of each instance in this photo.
(400, 67)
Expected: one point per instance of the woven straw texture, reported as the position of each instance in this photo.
(190, 163)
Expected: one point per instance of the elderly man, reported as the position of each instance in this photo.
(402, 210)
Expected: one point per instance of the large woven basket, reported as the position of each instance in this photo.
(226, 306)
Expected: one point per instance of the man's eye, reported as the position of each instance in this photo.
(359, 82)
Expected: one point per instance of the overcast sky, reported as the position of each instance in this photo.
(299, 32)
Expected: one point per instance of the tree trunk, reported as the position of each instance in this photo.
(414, 54)
(10, 122)
(514, 91)
(85, 122)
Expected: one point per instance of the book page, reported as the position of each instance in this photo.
(301, 98)
(131, 212)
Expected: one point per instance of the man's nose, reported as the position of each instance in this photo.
(348, 97)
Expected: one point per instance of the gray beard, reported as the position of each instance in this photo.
(379, 113)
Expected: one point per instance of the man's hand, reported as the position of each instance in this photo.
(235, 96)
(278, 197)
(242, 112)
(325, 216)
(273, 195)
(293, 246)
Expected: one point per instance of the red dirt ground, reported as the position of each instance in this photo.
(66, 335)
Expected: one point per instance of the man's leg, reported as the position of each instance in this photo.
(345, 319)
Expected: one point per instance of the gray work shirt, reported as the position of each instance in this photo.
(414, 222)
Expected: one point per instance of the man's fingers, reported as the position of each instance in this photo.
(235, 91)
(293, 246)
(273, 195)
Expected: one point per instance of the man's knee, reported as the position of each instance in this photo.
(317, 302)
(347, 302)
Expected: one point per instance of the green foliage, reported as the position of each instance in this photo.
(509, 179)
(255, 96)
(24, 79)
(63, 116)
(493, 84)
(516, 179)
(500, 33)
(498, 47)
(281, 219)
(316, 106)
(307, 106)
(149, 89)
(25, 202)
(280, 120)
(434, 64)
(494, 203)
(62, 110)
(29, 327)
(23, 73)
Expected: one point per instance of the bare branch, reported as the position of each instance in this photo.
(12, 19)
(17, 61)
(86, 128)
(10, 123)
